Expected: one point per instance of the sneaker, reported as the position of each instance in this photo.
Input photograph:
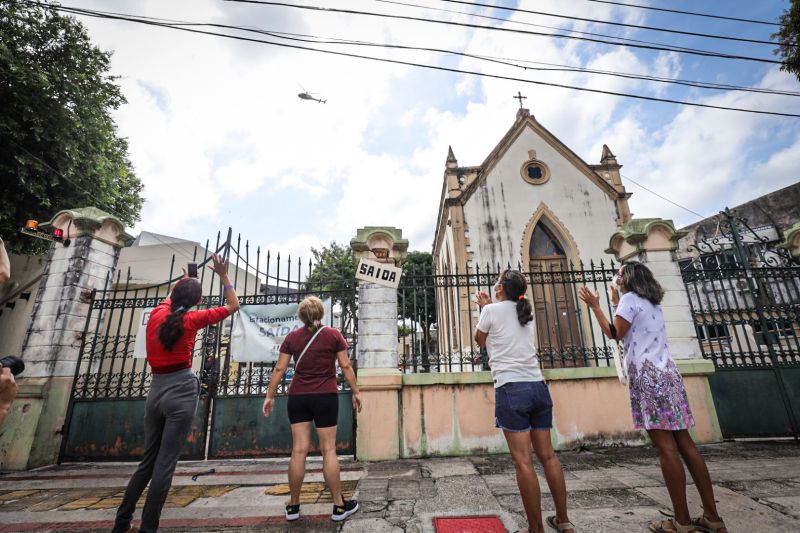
(292, 512)
(342, 512)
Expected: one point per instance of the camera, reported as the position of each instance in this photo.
(191, 270)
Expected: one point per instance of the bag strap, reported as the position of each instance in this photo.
(307, 345)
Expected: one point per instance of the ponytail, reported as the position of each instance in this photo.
(171, 330)
(515, 287)
(185, 294)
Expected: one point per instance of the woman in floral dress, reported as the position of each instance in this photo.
(658, 398)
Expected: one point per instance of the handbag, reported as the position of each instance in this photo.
(619, 363)
(307, 345)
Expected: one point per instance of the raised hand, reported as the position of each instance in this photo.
(592, 299)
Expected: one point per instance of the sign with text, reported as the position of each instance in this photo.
(379, 273)
(140, 345)
(259, 330)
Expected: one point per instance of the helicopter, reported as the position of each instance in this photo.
(305, 95)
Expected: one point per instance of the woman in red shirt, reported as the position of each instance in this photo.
(174, 392)
(314, 396)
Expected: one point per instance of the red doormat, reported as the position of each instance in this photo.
(469, 524)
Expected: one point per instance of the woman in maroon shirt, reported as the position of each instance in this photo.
(174, 391)
(314, 396)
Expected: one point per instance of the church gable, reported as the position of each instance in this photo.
(525, 123)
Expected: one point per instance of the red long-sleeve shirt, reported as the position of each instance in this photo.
(163, 361)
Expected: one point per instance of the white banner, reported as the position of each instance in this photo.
(140, 346)
(259, 330)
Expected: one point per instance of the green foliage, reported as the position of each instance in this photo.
(789, 38)
(333, 275)
(59, 147)
(416, 300)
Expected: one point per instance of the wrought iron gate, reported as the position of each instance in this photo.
(745, 299)
(105, 415)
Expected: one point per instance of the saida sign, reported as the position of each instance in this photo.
(379, 273)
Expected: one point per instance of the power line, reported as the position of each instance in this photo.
(511, 30)
(523, 23)
(613, 23)
(420, 65)
(692, 13)
(553, 67)
(651, 191)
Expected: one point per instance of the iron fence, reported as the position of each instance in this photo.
(437, 315)
(107, 368)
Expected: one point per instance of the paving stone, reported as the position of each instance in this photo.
(373, 525)
(763, 488)
(403, 489)
(739, 511)
(447, 467)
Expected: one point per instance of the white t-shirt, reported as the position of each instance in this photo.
(512, 353)
(646, 339)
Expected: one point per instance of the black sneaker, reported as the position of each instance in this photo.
(292, 512)
(342, 512)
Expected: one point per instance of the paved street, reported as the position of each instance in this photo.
(620, 489)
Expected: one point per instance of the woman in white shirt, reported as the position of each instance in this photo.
(523, 407)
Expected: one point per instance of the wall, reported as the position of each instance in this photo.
(453, 414)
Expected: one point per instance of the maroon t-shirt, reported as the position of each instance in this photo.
(316, 373)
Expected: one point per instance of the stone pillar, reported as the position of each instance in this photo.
(33, 430)
(791, 240)
(379, 379)
(653, 241)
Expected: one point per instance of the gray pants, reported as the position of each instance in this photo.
(168, 415)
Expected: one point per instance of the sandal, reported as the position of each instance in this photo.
(658, 527)
(704, 524)
(563, 526)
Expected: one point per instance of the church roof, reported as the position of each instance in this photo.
(526, 120)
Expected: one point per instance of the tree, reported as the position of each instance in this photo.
(333, 275)
(417, 299)
(789, 39)
(59, 146)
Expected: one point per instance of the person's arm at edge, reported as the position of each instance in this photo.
(5, 263)
(350, 376)
(274, 380)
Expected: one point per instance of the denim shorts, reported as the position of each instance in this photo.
(523, 406)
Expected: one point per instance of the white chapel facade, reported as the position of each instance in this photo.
(532, 204)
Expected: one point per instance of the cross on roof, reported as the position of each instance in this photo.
(520, 98)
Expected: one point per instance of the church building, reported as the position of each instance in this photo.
(535, 205)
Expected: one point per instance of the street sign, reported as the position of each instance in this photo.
(379, 273)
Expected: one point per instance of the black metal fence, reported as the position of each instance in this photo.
(437, 315)
(107, 367)
(744, 295)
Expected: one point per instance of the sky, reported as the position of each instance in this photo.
(220, 139)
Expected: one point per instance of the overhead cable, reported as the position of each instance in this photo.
(509, 30)
(414, 64)
(692, 13)
(614, 23)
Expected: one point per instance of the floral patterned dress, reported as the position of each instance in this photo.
(658, 397)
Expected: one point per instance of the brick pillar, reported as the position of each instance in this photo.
(379, 379)
(653, 241)
(792, 240)
(33, 430)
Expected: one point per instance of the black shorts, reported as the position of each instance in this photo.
(323, 409)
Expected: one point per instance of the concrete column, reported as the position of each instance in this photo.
(379, 379)
(791, 240)
(34, 429)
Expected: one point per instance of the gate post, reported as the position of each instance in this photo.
(653, 241)
(379, 379)
(34, 427)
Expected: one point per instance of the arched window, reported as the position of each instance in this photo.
(544, 243)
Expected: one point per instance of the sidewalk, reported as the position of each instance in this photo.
(757, 485)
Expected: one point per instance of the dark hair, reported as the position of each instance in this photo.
(515, 287)
(635, 277)
(185, 294)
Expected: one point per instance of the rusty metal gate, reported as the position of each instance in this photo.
(745, 299)
(105, 414)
